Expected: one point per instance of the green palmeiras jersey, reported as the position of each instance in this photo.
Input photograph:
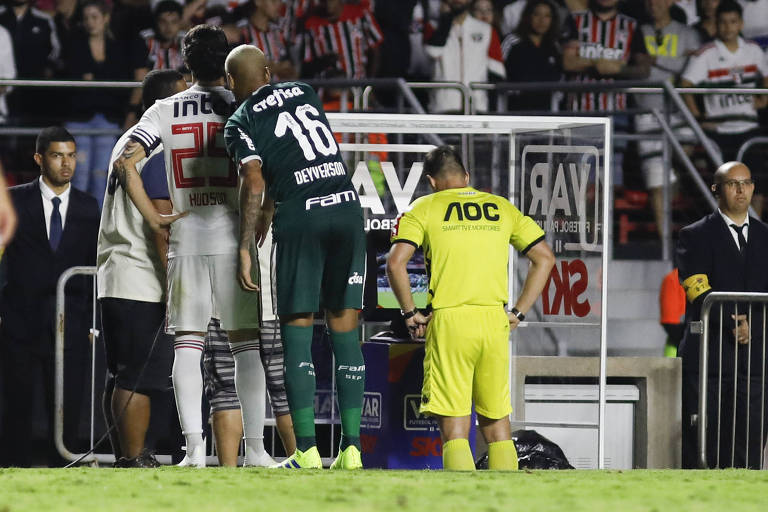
(284, 126)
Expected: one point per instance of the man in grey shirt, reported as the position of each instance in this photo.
(669, 43)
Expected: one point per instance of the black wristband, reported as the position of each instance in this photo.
(409, 314)
(517, 313)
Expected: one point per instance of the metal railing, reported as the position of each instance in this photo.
(735, 377)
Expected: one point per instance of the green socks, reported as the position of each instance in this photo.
(350, 384)
(457, 456)
(300, 383)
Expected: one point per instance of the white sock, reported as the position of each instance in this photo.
(188, 386)
(251, 387)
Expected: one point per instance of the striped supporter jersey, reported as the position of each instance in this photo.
(466, 235)
(201, 178)
(159, 57)
(350, 37)
(271, 42)
(714, 65)
(614, 39)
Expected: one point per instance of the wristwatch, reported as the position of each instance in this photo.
(408, 314)
(517, 313)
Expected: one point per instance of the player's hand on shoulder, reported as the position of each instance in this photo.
(162, 223)
(244, 271)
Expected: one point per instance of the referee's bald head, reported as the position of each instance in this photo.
(442, 162)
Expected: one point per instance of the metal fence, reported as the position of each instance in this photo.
(731, 421)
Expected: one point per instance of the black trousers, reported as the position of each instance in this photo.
(28, 397)
(729, 443)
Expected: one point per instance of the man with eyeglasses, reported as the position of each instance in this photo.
(725, 251)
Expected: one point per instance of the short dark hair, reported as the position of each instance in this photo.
(168, 6)
(158, 84)
(51, 134)
(443, 160)
(205, 49)
(729, 6)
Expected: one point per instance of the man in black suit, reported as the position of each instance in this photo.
(57, 229)
(725, 251)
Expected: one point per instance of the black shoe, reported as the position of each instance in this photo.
(145, 459)
(148, 460)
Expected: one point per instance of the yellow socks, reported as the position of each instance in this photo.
(501, 455)
(457, 456)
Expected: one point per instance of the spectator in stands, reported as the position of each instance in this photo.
(484, 10)
(261, 30)
(669, 44)
(161, 49)
(729, 61)
(395, 18)
(606, 47)
(725, 252)
(7, 69)
(464, 50)
(424, 20)
(755, 21)
(36, 49)
(94, 54)
(707, 25)
(57, 230)
(533, 54)
(342, 36)
(512, 14)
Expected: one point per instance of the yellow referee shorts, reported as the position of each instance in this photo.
(467, 359)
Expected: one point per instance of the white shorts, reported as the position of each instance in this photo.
(205, 287)
(652, 163)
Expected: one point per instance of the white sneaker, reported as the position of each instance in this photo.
(262, 460)
(195, 457)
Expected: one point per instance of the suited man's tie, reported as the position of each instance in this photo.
(55, 236)
(742, 241)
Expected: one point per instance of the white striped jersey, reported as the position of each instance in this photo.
(201, 178)
(163, 58)
(714, 65)
(614, 39)
(350, 37)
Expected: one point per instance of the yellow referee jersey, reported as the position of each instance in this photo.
(466, 234)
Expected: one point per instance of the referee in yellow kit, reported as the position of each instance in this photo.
(465, 235)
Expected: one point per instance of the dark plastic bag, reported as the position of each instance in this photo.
(534, 451)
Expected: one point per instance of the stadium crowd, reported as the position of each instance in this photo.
(704, 43)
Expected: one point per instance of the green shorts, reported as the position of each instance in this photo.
(320, 258)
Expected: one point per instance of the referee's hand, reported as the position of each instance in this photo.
(417, 325)
(513, 321)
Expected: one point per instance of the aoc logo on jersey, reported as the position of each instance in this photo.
(276, 99)
(472, 211)
(355, 279)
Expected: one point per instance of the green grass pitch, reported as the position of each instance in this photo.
(221, 489)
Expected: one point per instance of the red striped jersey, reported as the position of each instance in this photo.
(714, 65)
(613, 39)
(350, 37)
(271, 42)
(163, 58)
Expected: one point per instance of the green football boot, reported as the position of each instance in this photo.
(348, 459)
(309, 459)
